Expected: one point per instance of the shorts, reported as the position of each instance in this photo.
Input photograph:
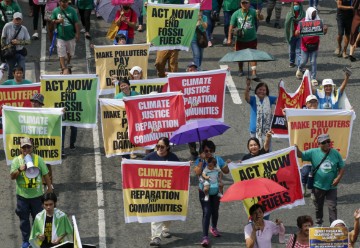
(206, 183)
(343, 25)
(240, 45)
(65, 47)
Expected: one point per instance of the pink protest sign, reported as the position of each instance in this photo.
(204, 4)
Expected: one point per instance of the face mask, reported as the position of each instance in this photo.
(126, 7)
(296, 7)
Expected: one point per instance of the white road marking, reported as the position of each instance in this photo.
(231, 86)
(30, 71)
(43, 54)
(98, 171)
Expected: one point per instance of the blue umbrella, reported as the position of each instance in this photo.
(198, 130)
(53, 43)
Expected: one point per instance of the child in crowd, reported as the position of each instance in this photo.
(212, 175)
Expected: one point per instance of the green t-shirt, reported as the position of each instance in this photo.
(204, 19)
(231, 5)
(328, 170)
(13, 82)
(85, 4)
(9, 11)
(237, 20)
(121, 94)
(25, 187)
(66, 31)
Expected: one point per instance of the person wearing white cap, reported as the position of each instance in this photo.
(353, 235)
(15, 34)
(329, 97)
(327, 170)
(136, 73)
(28, 190)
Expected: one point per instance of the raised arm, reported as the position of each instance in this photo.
(344, 83)
(247, 90)
(298, 151)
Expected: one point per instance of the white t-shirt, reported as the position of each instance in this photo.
(263, 238)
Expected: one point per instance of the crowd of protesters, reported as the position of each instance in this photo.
(241, 21)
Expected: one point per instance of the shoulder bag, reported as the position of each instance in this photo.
(201, 38)
(71, 21)
(310, 182)
(240, 31)
(9, 50)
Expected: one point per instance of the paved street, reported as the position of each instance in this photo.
(89, 184)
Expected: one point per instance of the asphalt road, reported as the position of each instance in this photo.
(80, 185)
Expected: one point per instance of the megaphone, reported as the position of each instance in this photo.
(31, 170)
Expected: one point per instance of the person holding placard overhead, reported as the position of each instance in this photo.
(29, 187)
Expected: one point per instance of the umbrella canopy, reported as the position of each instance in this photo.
(247, 55)
(197, 131)
(107, 11)
(251, 188)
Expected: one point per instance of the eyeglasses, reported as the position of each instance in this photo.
(26, 146)
(160, 146)
(325, 142)
(207, 151)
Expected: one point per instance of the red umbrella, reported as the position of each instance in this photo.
(251, 188)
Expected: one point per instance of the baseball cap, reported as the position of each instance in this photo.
(38, 97)
(25, 141)
(311, 97)
(192, 64)
(17, 15)
(135, 68)
(323, 137)
(335, 222)
(327, 81)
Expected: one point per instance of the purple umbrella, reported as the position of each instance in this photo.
(53, 43)
(197, 131)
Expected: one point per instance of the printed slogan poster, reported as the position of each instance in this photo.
(204, 93)
(145, 86)
(153, 116)
(115, 128)
(289, 100)
(280, 166)
(16, 96)
(172, 26)
(311, 28)
(155, 191)
(78, 94)
(324, 237)
(117, 61)
(41, 125)
(306, 125)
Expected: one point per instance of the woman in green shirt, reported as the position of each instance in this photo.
(18, 73)
(125, 89)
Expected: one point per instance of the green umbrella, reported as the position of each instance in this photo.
(247, 55)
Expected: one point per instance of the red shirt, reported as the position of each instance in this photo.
(130, 17)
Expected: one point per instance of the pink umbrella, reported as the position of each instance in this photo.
(251, 188)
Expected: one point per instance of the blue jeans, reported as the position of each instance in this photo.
(305, 171)
(294, 50)
(197, 54)
(17, 60)
(227, 17)
(25, 207)
(73, 135)
(304, 59)
(210, 23)
(313, 3)
(210, 210)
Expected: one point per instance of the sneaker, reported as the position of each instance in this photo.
(225, 42)
(267, 19)
(43, 30)
(35, 36)
(277, 25)
(206, 198)
(220, 194)
(299, 74)
(210, 44)
(82, 30)
(314, 82)
(165, 234)
(72, 147)
(291, 65)
(3, 67)
(63, 155)
(337, 52)
(352, 58)
(155, 242)
(214, 232)
(205, 241)
(25, 244)
(140, 28)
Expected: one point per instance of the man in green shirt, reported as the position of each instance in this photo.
(28, 190)
(327, 169)
(18, 73)
(66, 20)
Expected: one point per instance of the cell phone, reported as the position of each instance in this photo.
(347, 70)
